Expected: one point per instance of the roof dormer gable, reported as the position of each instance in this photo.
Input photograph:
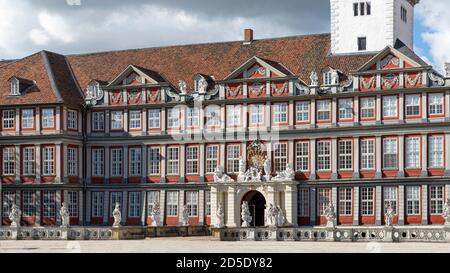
(257, 67)
(18, 86)
(134, 75)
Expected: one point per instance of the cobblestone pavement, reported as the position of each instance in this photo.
(208, 245)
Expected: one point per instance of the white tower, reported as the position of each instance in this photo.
(370, 25)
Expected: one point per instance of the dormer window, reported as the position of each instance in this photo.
(15, 87)
(95, 90)
(327, 78)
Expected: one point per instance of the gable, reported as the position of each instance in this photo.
(256, 68)
(389, 59)
(134, 75)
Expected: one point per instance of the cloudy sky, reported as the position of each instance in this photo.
(77, 26)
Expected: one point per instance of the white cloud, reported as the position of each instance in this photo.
(433, 15)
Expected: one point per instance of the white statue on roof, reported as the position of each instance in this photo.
(314, 78)
(202, 85)
(183, 87)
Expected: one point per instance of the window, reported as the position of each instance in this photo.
(154, 160)
(28, 161)
(436, 104)
(436, 151)
(233, 157)
(303, 202)
(192, 203)
(256, 114)
(302, 111)
(345, 154)
(116, 197)
(48, 118)
(173, 118)
(8, 119)
(28, 119)
(362, 43)
(135, 161)
(212, 158)
(98, 159)
(152, 198)
(280, 114)
(324, 198)
(135, 120)
(192, 160)
(367, 196)
(324, 155)
(154, 118)
(98, 120)
(346, 109)
(48, 160)
(116, 120)
(323, 110)
(412, 104)
(172, 160)
(8, 201)
(328, 78)
(368, 8)
(436, 200)
(345, 201)
(404, 14)
(72, 203)
(172, 203)
(413, 200)
(28, 203)
(280, 157)
(72, 120)
(49, 204)
(213, 116)
(367, 154)
(412, 147)
(116, 162)
(97, 204)
(390, 198)
(9, 159)
(367, 108)
(390, 107)
(355, 9)
(302, 156)
(362, 8)
(390, 153)
(15, 87)
(72, 162)
(192, 119)
(207, 203)
(233, 115)
(134, 202)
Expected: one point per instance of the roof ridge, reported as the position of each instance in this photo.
(51, 76)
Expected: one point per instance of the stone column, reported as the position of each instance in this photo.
(65, 178)
(378, 107)
(144, 120)
(378, 157)
(313, 157)
(201, 207)
(108, 121)
(424, 204)
(38, 164)
(89, 165)
(334, 158)
(124, 208)
(88, 207)
(401, 156)
(223, 156)
(356, 158)
(291, 111)
(424, 107)
(401, 106)
(401, 205)
(125, 163)
(180, 207)
(162, 205)
(38, 208)
(18, 164)
(447, 154)
(378, 205)
(291, 154)
(58, 207)
(268, 116)
(425, 155)
(80, 208)
(17, 119)
(163, 164)
(215, 201)
(143, 208)
(58, 163)
(106, 206)
(334, 197)
(144, 164)
(37, 112)
(291, 205)
(334, 111)
(356, 110)
(107, 163)
(312, 207)
(233, 209)
(313, 113)
(58, 119)
(182, 163)
(356, 206)
(125, 120)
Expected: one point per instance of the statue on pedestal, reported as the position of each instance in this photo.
(271, 216)
(286, 175)
(446, 212)
(268, 169)
(117, 214)
(183, 87)
(242, 177)
(245, 215)
(65, 216)
(389, 216)
(281, 220)
(220, 217)
(314, 78)
(15, 216)
(156, 215)
(185, 216)
(220, 176)
(330, 215)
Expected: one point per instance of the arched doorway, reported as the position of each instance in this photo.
(257, 205)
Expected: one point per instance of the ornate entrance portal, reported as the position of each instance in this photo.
(257, 205)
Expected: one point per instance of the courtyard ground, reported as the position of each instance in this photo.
(209, 245)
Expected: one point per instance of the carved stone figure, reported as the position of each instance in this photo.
(314, 78)
(117, 214)
(183, 87)
(221, 177)
(281, 220)
(242, 173)
(220, 217)
(245, 215)
(271, 216)
(156, 215)
(268, 169)
(202, 85)
(389, 216)
(15, 216)
(446, 212)
(65, 216)
(447, 69)
(286, 175)
(334, 77)
(330, 215)
(185, 216)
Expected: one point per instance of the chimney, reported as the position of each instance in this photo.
(248, 36)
